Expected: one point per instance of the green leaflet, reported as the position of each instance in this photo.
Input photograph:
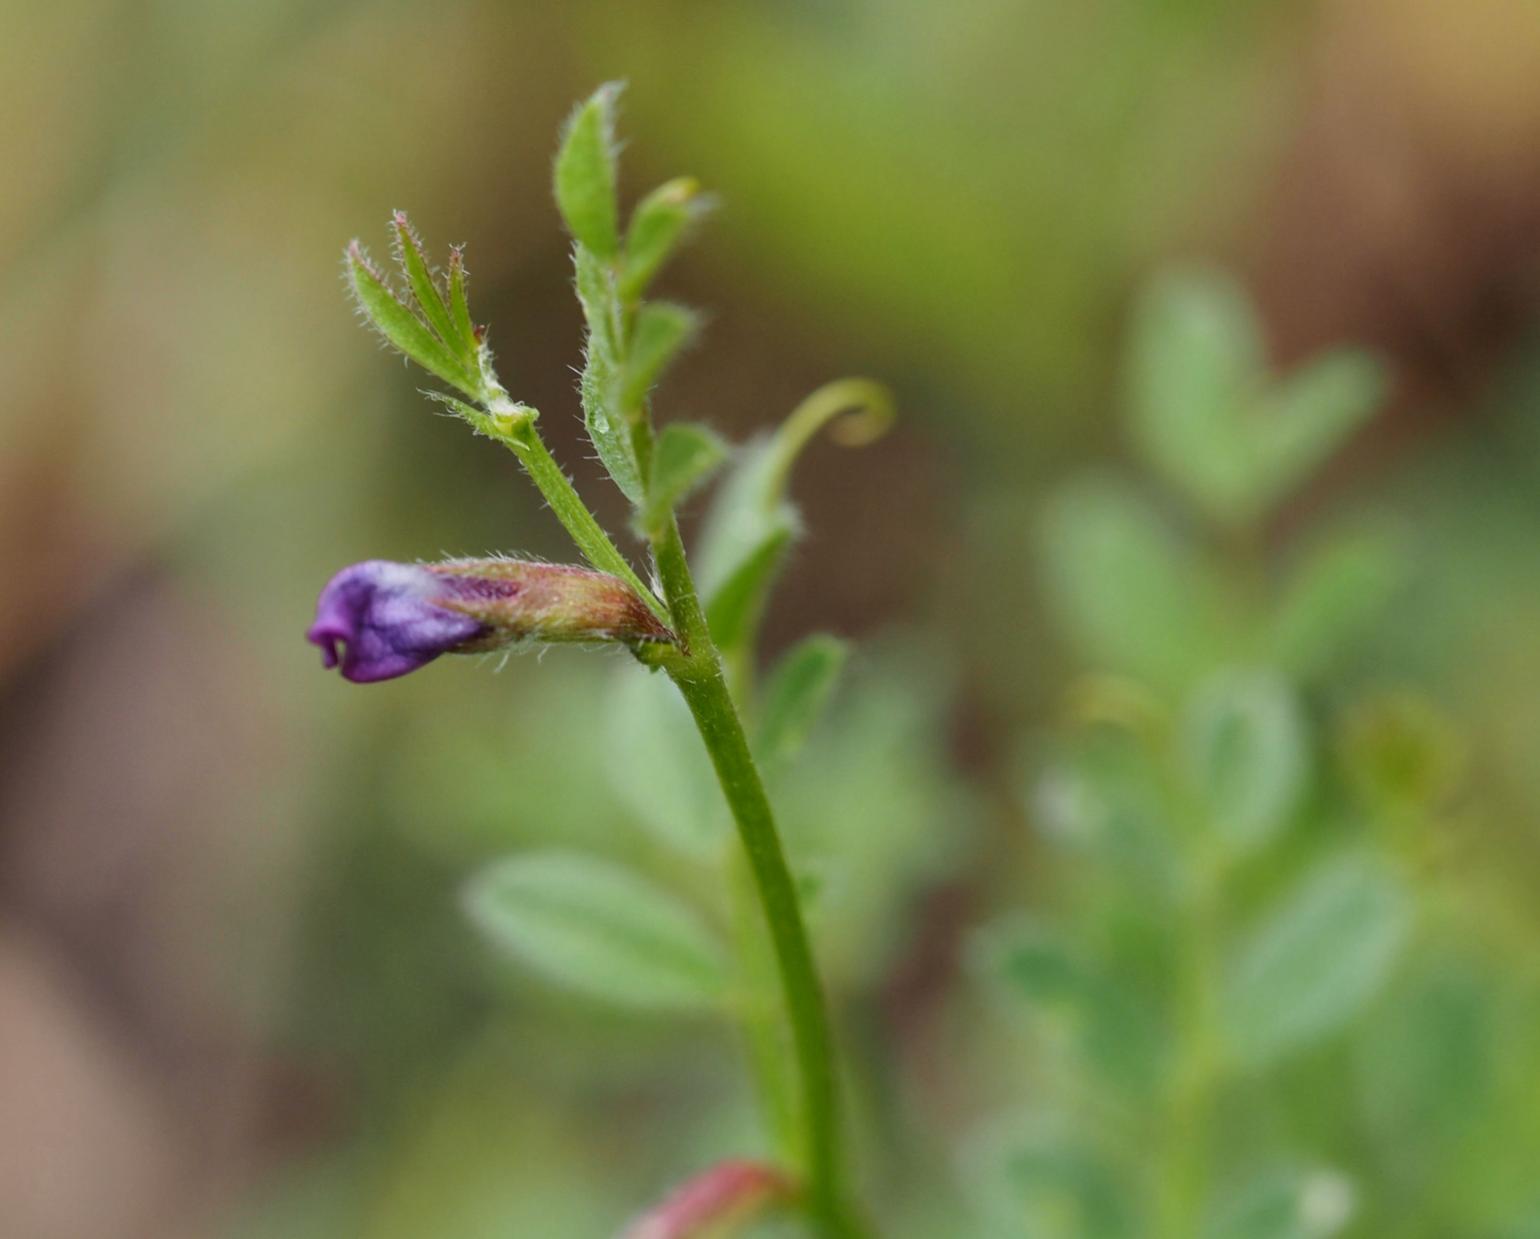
(604, 419)
(683, 457)
(1128, 590)
(599, 928)
(1335, 595)
(408, 248)
(1285, 1203)
(1316, 959)
(1210, 417)
(585, 174)
(1248, 754)
(659, 223)
(796, 695)
(657, 768)
(660, 331)
(394, 320)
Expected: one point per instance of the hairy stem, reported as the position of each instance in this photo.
(701, 682)
(574, 515)
(722, 732)
(764, 1029)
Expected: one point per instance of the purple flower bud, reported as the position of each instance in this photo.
(393, 618)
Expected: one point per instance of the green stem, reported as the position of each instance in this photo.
(573, 513)
(764, 1032)
(704, 688)
(722, 732)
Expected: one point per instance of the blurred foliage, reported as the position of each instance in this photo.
(1256, 949)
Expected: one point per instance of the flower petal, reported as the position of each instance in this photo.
(386, 620)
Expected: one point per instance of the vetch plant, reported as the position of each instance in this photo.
(587, 922)
(1259, 1004)
(1184, 782)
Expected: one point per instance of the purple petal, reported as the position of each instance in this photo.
(384, 618)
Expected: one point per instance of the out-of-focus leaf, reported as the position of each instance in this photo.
(684, 456)
(1401, 753)
(747, 531)
(751, 524)
(1099, 1018)
(1133, 595)
(1316, 959)
(1332, 600)
(1036, 1177)
(658, 767)
(1246, 746)
(1426, 1067)
(658, 224)
(585, 174)
(795, 697)
(874, 807)
(1102, 793)
(1308, 414)
(1285, 1203)
(1195, 367)
(661, 330)
(737, 604)
(596, 927)
(1207, 414)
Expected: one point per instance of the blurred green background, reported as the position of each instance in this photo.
(1147, 911)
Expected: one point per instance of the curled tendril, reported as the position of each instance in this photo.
(856, 411)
